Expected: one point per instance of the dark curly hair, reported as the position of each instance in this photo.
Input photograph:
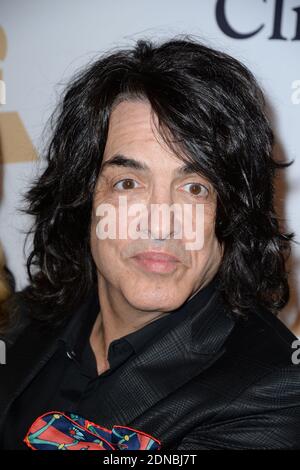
(211, 112)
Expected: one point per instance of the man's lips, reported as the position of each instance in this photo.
(155, 261)
(157, 256)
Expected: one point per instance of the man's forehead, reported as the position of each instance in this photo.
(129, 111)
(132, 131)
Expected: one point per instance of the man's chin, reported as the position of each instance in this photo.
(154, 303)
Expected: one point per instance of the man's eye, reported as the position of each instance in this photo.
(125, 184)
(196, 189)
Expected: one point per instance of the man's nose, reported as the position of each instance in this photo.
(160, 213)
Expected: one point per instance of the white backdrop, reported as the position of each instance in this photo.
(46, 41)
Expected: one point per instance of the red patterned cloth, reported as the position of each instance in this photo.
(67, 431)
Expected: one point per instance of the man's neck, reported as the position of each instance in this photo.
(116, 319)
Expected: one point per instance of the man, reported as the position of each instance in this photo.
(164, 326)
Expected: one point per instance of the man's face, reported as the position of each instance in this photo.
(126, 264)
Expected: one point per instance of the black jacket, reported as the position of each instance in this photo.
(211, 382)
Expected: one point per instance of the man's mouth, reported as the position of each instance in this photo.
(154, 261)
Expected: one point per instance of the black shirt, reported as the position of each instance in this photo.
(69, 381)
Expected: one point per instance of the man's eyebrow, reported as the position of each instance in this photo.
(128, 162)
(186, 169)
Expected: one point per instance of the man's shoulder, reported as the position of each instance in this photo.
(263, 338)
(24, 317)
(18, 317)
(39, 319)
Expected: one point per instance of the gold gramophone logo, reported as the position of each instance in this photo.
(15, 143)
